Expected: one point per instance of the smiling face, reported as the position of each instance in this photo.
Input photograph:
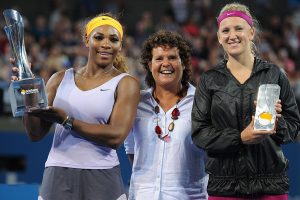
(235, 36)
(166, 66)
(104, 44)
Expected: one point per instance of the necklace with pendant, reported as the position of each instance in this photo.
(174, 115)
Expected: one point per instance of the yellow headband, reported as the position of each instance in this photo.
(103, 20)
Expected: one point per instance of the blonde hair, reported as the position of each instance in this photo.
(243, 8)
(119, 62)
(238, 7)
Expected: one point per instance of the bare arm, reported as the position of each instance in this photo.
(35, 127)
(121, 120)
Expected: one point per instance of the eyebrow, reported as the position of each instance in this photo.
(114, 34)
(226, 27)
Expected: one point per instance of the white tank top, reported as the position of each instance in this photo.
(93, 106)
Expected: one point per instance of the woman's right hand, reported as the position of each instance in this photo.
(251, 136)
(14, 70)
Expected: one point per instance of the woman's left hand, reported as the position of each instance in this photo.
(50, 114)
(278, 108)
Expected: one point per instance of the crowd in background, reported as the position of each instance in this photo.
(54, 42)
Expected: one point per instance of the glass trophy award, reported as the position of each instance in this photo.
(29, 91)
(265, 114)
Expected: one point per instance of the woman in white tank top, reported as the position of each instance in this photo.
(93, 109)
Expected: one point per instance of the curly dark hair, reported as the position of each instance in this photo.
(167, 39)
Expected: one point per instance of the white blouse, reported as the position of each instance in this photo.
(165, 170)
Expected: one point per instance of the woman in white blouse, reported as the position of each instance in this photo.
(166, 164)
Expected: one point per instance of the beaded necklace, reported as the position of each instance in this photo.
(174, 115)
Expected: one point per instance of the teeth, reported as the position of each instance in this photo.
(103, 53)
(233, 43)
(166, 72)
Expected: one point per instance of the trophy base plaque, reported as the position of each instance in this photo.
(26, 94)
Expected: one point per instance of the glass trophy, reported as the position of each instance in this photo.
(265, 114)
(28, 92)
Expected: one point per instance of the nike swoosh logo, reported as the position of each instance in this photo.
(104, 89)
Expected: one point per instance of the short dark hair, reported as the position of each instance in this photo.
(167, 39)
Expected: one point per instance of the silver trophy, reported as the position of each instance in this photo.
(265, 113)
(28, 92)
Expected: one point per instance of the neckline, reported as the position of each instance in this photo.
(97, 87)
(157, 101)
(171, 109)
(235, 79)
(190, 93)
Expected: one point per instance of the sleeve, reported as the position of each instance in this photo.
(204, 134)
(288, 125)
(129, 143)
